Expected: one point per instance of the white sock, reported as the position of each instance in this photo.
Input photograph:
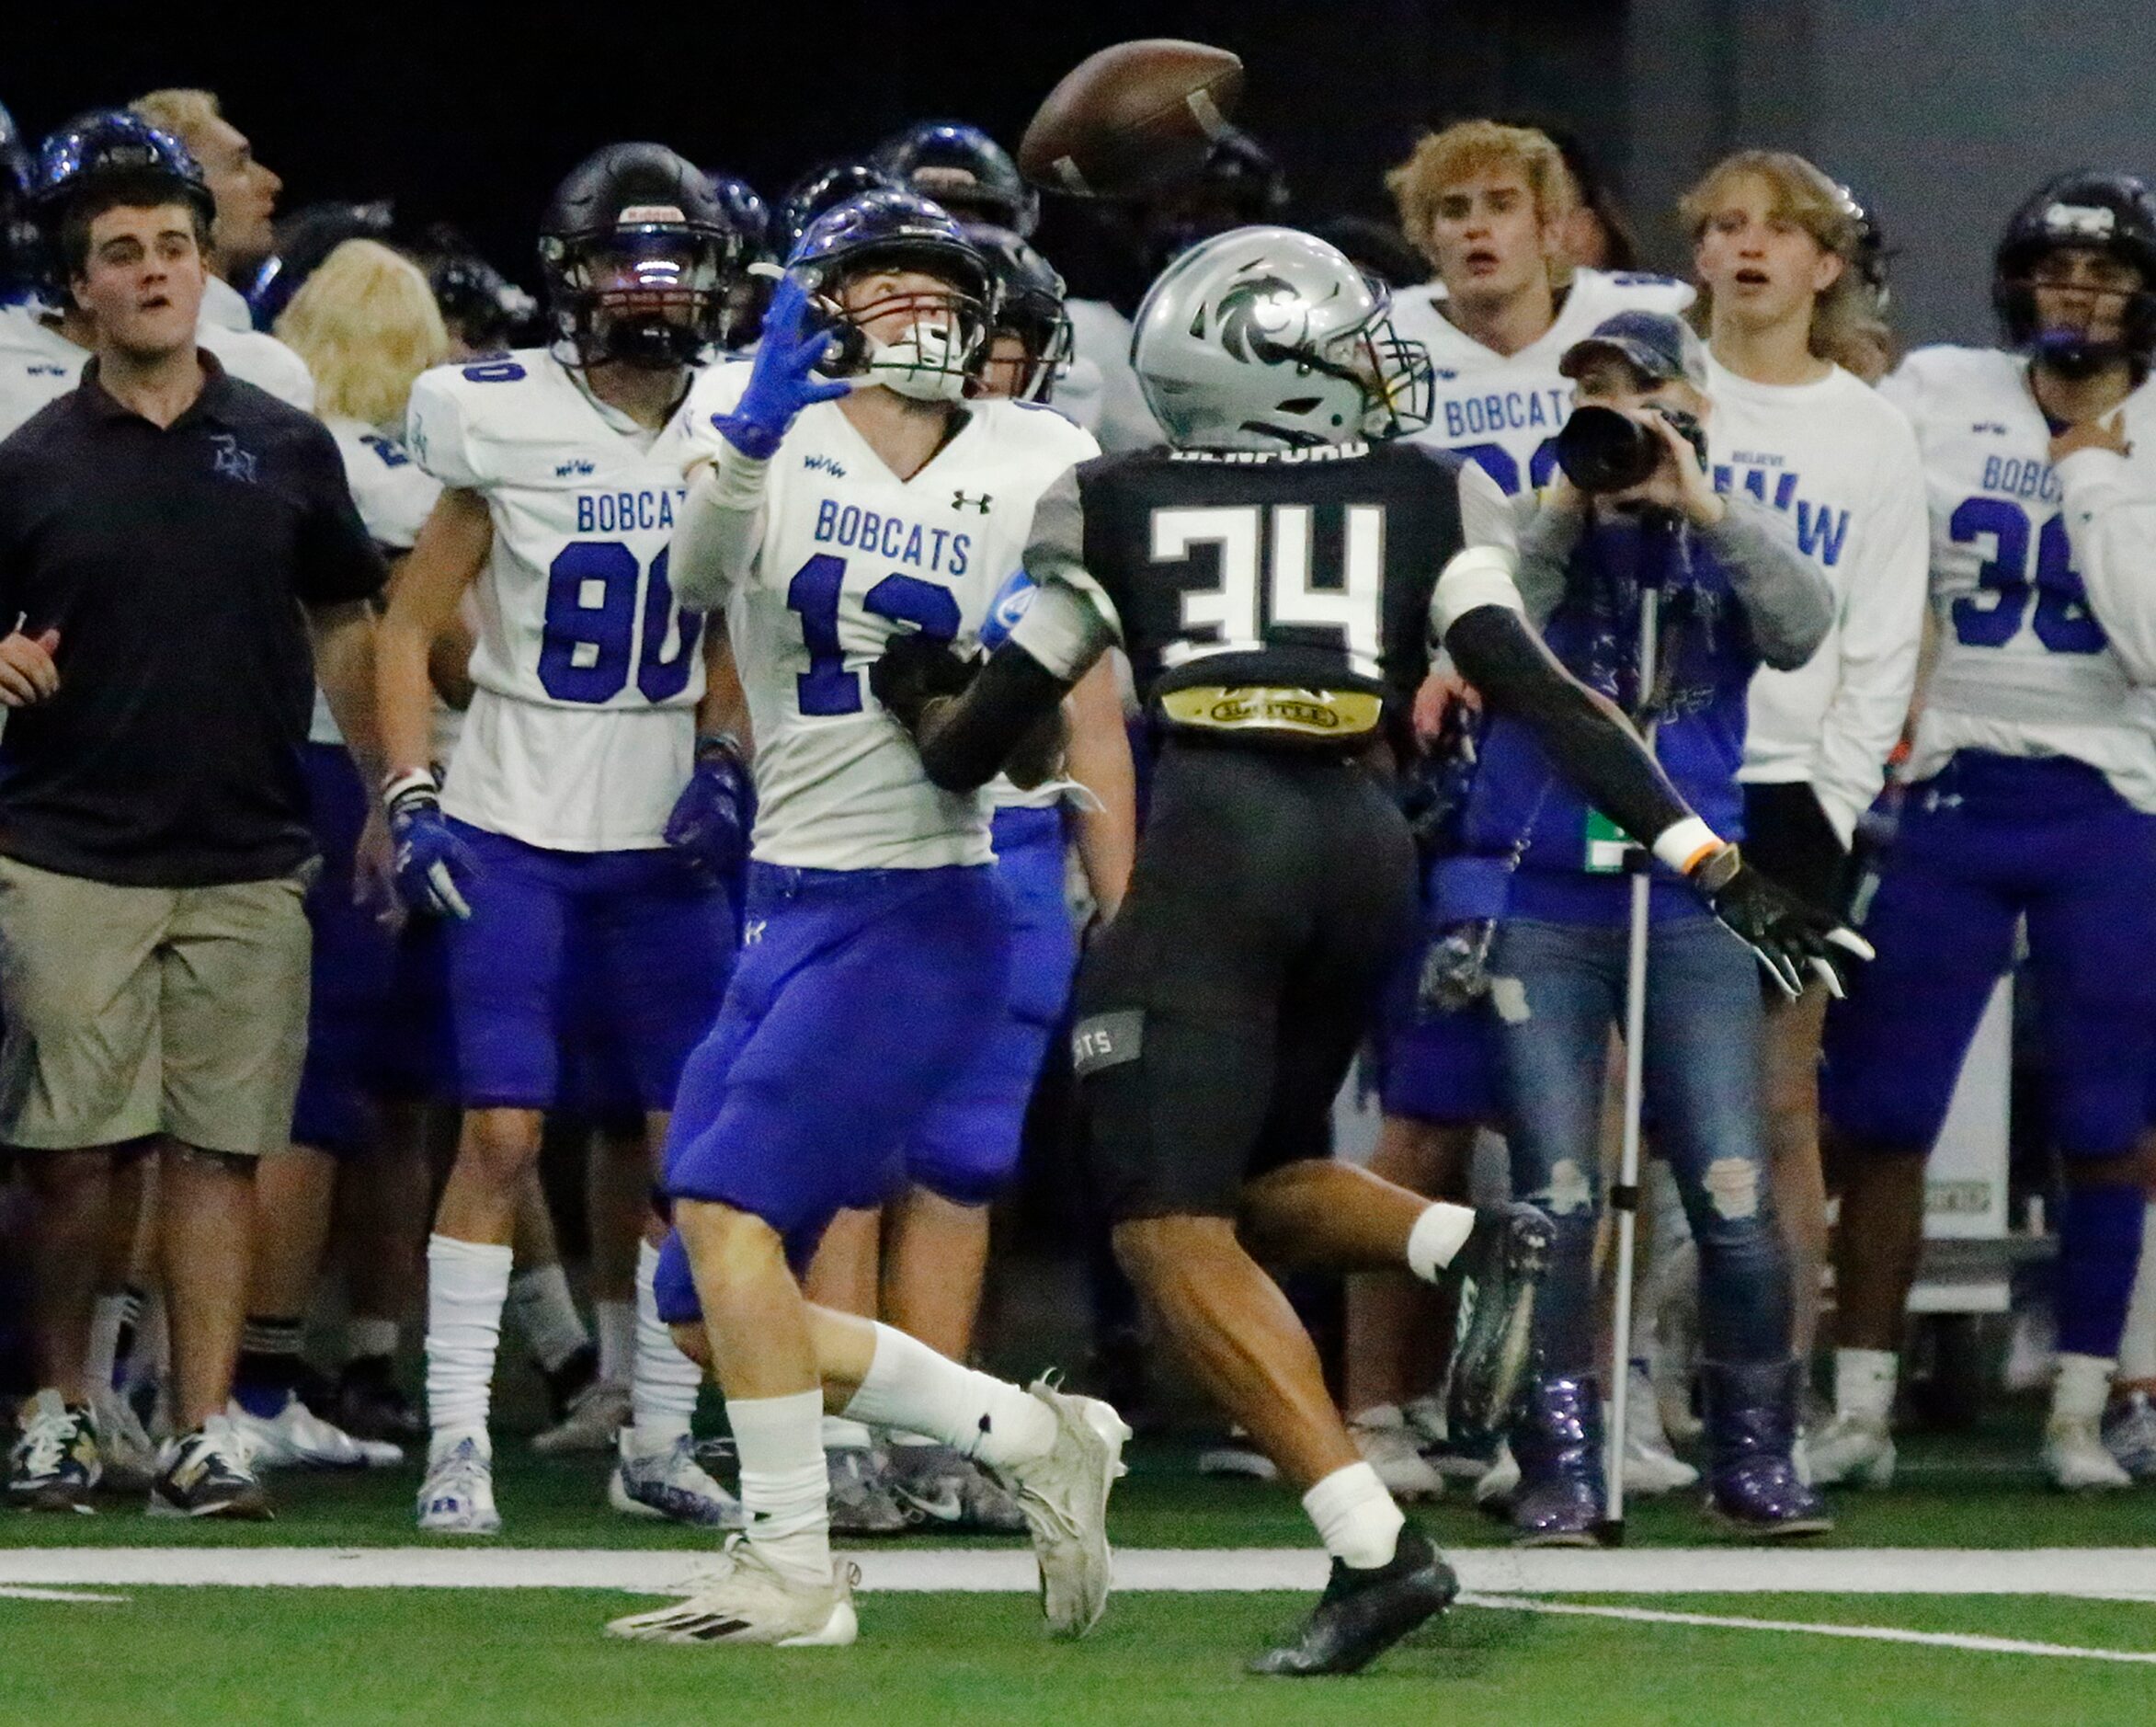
(908, 1385)
(546, 1315)
(662, 1391)
(1863, 1383)
(105, 1319)
(372, 1337)
(467, 1286)
(839, 1434)
(617, 1340)
(2137, 1348)
(785, 1485)
(1356, 1518)
(2080, 1385)
(1439, 1234)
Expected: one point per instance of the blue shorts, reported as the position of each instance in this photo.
(376, 1014)
(968, 1147)
(859, 997)
(1987, 841)
(637, 942)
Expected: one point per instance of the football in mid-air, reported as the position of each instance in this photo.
(1132, 119)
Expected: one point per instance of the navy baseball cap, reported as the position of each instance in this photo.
(1659, 348)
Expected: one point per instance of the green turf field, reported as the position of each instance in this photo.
(476, 1655)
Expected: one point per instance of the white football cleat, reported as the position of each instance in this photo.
(1389, 1445)
(744, 1600)
(2075, 1456)
(1064, 1498)
(670, 1483)
(1651, 1463)
(297, 1438)
(457, 1497)
(596, 1416)
(1851, 1451)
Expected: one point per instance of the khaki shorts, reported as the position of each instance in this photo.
(138, 1010)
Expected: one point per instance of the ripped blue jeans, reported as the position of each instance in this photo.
(1558, 989)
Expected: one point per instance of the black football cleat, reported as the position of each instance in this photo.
(1501, 1267)
(1363, 1613)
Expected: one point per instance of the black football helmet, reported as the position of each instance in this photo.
(894, 229)
(1028, 305)
(750, 292)
(964, 170)
(1873, 255)
(819, 189)
(2113, 213)
(1240, 185)
(637, 255)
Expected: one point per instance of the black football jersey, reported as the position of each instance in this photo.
(1277, 573)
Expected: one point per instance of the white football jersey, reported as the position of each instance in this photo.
(1503, 410)
(37, 364)
(850, 555)
(2024, 668)
(582, 726)
(393, 494)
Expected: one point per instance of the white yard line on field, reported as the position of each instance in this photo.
(1872, 1633)
(54, 1594)
(2096, 1574)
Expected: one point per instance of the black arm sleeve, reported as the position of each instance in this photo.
(966, 741)
(1584, 734)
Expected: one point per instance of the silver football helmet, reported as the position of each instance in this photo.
(1265, 338)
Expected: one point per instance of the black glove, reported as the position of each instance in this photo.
(1788, 935)
(913, 671)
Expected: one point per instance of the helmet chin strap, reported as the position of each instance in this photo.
(923, 366)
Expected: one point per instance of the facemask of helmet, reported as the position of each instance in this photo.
(651, 297)
(944, 339)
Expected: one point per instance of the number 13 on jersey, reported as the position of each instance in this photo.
(830, 686)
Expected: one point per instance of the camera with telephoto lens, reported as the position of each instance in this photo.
(1601, 449)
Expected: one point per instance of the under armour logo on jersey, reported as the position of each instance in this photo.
(752, 932)
(823, 465)
(228, 458)
(959, 500)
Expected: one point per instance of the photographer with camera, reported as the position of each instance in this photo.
(1542, 901)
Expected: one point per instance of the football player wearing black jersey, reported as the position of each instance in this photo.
(1275, 576)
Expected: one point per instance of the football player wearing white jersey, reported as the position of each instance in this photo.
(2031, 800)
(852, 496)
(547, 846)
(1490, 206)
(1788, 318)
(366, 324)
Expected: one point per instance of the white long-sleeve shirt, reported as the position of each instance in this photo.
(1842, 464)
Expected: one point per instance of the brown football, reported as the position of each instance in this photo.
(1132, 119)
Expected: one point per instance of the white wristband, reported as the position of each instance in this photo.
(1681, 845)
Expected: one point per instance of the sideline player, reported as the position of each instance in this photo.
(1788, 319)
(2032, 796)
(546, 846)
(1274, 577)
(838, 513)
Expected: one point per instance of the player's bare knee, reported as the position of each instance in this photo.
(501, 1146)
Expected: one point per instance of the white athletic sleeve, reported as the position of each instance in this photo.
(1478, 576)
(434, 428)
(1881, 634)
(2111, 523)
(721, 531)
(1487, 516)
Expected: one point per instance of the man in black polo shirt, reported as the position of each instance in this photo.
(169, 537)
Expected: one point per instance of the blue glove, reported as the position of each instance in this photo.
(434, 869)
(781, 379)
(712, 817)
